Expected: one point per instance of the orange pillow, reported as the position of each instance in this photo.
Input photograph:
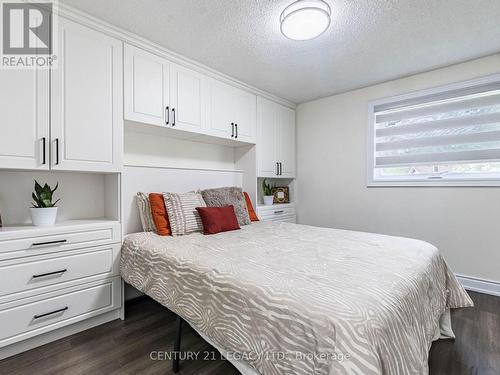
(251, 211)
(159, 214)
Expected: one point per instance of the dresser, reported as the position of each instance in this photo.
(278, 212)
(55, 277)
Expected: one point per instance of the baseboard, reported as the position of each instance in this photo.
(475, 284)
(57, 334)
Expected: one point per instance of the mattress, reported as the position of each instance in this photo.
(285, 298)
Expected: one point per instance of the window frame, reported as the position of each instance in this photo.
(401, 181)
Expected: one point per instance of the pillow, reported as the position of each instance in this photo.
(251, 211)
(182, 214)
(218, 219)
(147, 222)
(228, 196)
(159, 214)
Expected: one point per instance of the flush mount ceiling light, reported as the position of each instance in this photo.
(305, 19)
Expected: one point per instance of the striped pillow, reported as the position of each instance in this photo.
(147, 222)
(182, 214)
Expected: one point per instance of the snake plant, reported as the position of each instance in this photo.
(42, 196)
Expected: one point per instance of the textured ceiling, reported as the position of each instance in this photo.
(369, 41)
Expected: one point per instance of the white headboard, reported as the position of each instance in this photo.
(158, 179)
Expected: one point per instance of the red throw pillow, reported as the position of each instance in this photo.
(218, 219)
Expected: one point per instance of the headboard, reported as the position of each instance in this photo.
(160, 179)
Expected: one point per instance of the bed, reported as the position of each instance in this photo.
(282, 298)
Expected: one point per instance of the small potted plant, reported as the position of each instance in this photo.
(44, 210)
(268, 193)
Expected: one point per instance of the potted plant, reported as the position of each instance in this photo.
(268, 193)
(44, 210)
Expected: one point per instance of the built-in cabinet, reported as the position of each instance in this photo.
(275, 140)
(160, 92)
(80, 128)
(24, 107)
(86, 92)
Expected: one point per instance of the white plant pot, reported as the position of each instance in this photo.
(43, 216)
(268, 200)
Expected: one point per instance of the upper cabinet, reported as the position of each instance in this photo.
(275, 140)
(24, 107)
(158, 92)
(146, 87)
(82, 127)
(87, 96)
(232, 113)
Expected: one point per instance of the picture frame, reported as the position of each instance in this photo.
(281, 195)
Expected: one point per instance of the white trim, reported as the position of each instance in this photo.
(135, 40)
(401, 182)
(475, 284)
(185, 168)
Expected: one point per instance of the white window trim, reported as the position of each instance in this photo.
(415, 181)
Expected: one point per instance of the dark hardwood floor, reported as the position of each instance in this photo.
(123, 347)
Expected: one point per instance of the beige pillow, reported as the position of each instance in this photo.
(147, 222)
(182, 214)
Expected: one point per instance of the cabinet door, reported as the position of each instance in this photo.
(221, 111)
(245, 113)
(286, 141)
(267, 144)
(87, 96)
(146, 87)
(24, 106)
(188, 99)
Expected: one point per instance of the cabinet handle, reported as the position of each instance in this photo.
(281, 168)
(236, 127)
(58, 242)
(167, 115)
(279, 212)
(50, 313)
(173, 114)
(57, 151)
(232, 129)
(49, 273)
(44, 141)
(277, 169)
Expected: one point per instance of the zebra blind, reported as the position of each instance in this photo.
(424, 133)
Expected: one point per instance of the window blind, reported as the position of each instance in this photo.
(457, 126)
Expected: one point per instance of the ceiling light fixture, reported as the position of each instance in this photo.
(305, 19)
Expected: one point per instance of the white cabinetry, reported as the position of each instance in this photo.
(87, 122)
(232, 113)
(278, 212)
(85, 128)
(56, 276)
(146, 87)
(158, 92)
(24, 125)
(275, 140)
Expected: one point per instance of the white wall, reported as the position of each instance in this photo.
(463, 222)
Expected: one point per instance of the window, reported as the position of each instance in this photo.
(443, 136)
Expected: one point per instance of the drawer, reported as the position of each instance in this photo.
(33, 273)
(35, 241)
(275, 211)
(50, 312)
(281, 218)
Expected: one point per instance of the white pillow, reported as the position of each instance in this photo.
(182, 214)
(147, 222)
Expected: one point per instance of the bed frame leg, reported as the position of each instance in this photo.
(177, 343)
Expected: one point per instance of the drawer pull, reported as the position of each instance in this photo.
(49, 273)
(49, 243)
(279, 212)
(50, 313)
